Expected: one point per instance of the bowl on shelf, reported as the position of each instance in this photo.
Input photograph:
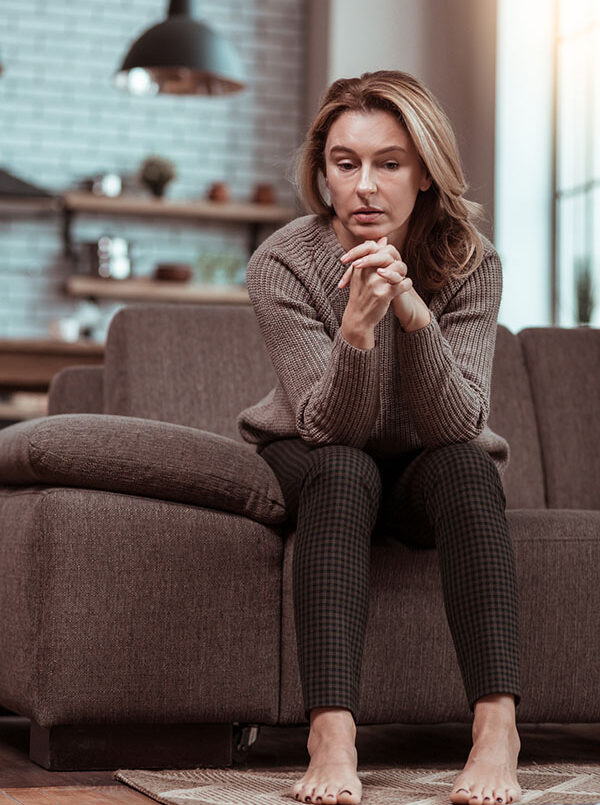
(173, 272)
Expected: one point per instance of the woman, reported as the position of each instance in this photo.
(379, 312)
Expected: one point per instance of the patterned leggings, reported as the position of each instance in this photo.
(450, 498)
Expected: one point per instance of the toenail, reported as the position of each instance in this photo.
(498, 799)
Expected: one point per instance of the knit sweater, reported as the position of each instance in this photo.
(423, 388)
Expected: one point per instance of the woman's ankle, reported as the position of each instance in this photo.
(332, 722)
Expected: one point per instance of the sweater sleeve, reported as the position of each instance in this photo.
(332, 386)
(446, 367)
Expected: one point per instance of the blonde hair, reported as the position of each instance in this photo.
(442, 241)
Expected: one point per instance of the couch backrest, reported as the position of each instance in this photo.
(512, 415)
(200, 365)
(564, 371)
(77, 390)
(196, 365)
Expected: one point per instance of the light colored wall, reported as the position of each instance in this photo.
(448, 45)
(61, 119)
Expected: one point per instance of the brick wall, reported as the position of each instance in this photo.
(62, 119)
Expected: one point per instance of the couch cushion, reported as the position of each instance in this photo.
(512, 415)
(143, 457)
(196, 365)
(409, 671)
(564, 370)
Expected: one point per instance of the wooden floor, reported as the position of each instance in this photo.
(22, 781)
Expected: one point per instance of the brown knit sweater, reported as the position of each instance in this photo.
(423, 388)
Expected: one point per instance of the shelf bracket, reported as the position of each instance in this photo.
(254, 233)
(67, 237)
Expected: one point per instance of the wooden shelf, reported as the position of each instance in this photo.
(56, 346)
(29, 364)
(251, 214)
(148, 289)
(244, 212)
(21, 205)
(20, 410)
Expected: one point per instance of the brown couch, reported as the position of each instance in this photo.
(145, 588)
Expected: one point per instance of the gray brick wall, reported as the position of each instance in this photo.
(62, 119)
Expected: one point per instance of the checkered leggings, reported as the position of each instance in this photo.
(450, 498)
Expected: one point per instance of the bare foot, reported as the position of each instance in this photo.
(490, 773)
(331, 775)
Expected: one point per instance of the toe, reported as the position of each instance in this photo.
(460, 795)
(499, 796)
(514, 795)
(329, 798)
(296, 790)
(346, 796)
(318, 793)
(476, 798)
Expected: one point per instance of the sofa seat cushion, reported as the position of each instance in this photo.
(144, 457)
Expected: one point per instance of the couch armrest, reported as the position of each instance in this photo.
(77, 389)
(144, 457)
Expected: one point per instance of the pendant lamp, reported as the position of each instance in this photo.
(181, 56)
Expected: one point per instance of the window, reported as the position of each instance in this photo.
(576, 276)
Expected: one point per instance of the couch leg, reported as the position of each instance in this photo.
(88, 747)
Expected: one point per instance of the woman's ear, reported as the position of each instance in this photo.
(426, 183)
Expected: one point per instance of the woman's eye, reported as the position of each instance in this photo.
(344, 165)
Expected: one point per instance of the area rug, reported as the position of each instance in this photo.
(542, 784)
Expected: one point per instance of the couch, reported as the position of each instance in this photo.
(147, 616)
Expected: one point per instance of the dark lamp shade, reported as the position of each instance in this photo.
(181, 56)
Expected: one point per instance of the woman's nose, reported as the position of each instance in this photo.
(366, 183)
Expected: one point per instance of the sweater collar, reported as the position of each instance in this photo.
(329, 253)
(330, 239)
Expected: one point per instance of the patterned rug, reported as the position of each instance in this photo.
(542, 784)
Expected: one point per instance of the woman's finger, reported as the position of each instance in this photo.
(395, 278)
(392, 271)
(367, 247)
(346, 276)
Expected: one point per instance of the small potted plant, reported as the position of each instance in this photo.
(156, 173)
(584, 288)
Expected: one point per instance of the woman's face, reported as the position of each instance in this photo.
(371, 161)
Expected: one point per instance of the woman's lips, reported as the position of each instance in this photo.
(365, 217)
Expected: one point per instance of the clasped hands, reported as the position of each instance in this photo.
(370, 290)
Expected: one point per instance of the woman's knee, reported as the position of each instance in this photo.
(462, 465)
(344, 465)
